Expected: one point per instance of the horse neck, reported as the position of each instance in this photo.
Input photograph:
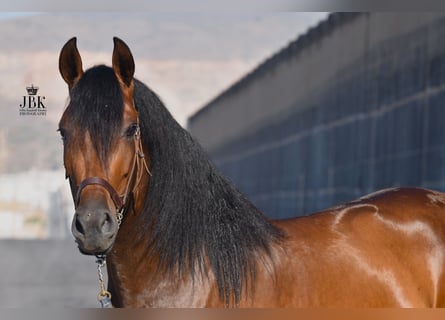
(128, 250)
(191, 210)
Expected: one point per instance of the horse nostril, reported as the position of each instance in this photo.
(79, 226)
(107, 224)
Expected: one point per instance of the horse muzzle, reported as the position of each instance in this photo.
(95, 229)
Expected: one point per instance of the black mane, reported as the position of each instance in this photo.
(192, 210)
(194, 215)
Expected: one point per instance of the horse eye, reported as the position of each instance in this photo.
(131, 130)
(62, 133)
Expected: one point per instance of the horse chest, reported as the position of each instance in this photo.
(154, 290)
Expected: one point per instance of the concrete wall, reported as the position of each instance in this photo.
(353, 106)
(46, 273)
(274, 86)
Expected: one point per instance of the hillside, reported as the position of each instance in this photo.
(186, 58)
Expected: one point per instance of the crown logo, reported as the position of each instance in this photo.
(32, 91)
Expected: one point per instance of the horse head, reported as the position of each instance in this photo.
(103, 154)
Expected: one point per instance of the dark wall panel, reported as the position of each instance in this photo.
(379, 123)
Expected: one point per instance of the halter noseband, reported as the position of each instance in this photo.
(119, 200)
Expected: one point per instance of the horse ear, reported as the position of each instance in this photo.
(123, 62)
(70, 63)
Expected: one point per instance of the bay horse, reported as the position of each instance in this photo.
(176, 233)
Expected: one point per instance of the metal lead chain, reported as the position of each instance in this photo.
(104, 296)
(120, 216)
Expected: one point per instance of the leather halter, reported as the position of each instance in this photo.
(119, 200)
